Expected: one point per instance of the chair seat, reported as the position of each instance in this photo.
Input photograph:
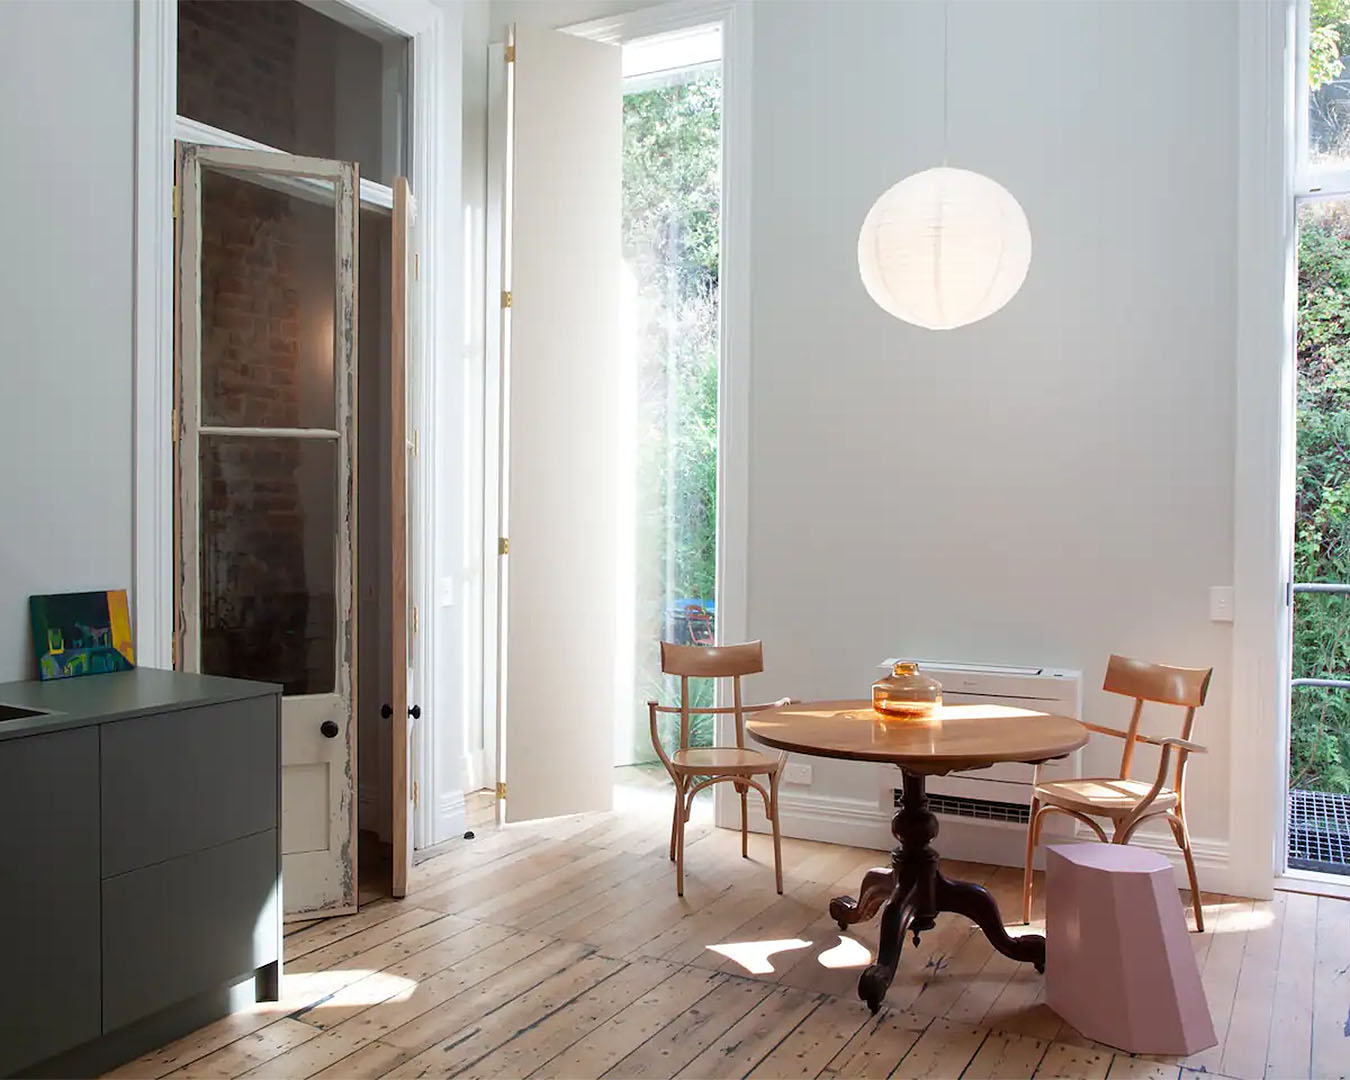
(722, 759)
(1103, 795)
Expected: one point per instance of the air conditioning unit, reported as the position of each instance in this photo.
(984, 813)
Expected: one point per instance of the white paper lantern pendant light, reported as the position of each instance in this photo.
(944, 247)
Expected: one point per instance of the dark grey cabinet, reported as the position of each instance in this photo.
(49, 896)
(140, 862)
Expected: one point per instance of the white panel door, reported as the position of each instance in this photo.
(561, 347)
(265, 478)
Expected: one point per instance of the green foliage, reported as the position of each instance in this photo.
(1329, 29)
(671, 243)
(1320, 729)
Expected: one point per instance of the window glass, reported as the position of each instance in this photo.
(1329, 81)
(282, 74)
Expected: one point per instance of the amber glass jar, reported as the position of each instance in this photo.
(907, 693)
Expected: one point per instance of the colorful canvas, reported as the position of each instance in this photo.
(86, 633)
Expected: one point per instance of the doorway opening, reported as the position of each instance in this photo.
(1319, 726)
(671, 232)
(284, 572)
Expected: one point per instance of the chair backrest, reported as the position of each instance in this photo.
(712, 662)
(1186, 687)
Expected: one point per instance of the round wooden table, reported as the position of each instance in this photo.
(912, 892)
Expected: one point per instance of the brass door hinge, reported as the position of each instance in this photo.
(415, 793)
(503, 546)
(413, 619)
(506, 298)
(501, 789)
(510, 54)
(415, 443)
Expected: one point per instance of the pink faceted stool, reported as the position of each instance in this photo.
(1119, 965)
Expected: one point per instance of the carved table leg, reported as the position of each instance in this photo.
(895, 920)
(915, 893)
(877, 886)
(977, 905)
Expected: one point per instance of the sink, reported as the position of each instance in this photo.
(18, 712)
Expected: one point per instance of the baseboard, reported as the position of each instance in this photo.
(449, 822)
(861, 823)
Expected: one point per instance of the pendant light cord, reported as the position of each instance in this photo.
(946, 80)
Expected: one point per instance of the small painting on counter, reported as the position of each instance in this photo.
(85, 633)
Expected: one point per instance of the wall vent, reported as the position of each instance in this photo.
(979, 809)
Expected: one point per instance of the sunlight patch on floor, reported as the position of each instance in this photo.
(849, 953)
(754, 955)
(337, 987)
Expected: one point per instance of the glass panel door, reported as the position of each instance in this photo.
(266, 491)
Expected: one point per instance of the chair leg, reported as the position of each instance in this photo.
(777, 835)
(1033, 827)
(675, 818)
(1183, 836)
(679, 846)
(745, 822)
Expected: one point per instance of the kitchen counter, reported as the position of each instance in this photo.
(96, 699)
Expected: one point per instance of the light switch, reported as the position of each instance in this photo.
(1221, 603)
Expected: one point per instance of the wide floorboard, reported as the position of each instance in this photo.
(559, 949)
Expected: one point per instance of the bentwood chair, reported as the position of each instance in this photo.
(1127, 803)
(694, 768)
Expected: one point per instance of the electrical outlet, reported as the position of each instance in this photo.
(1221, 603)
(797, 773)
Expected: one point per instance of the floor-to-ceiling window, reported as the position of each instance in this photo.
(672, 220)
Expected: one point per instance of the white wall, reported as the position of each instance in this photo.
(1045, 487)
(66, 73)
(1052, 484)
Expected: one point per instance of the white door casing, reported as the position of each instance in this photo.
(318, 730)
(400, 448)
(560, 336)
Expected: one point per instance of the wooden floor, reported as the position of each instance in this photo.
(560, 950)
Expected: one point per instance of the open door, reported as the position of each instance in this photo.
(560, 340)
(265, 454)
(403, 714)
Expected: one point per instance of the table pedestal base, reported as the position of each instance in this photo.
(911, 894)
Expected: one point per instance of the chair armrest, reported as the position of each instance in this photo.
(652, 710)
(768, 705)
(1182, 744)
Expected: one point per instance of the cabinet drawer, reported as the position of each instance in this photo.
(49, 980)
(184, 781)
(181, 927)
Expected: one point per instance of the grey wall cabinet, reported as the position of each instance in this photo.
(140, 862)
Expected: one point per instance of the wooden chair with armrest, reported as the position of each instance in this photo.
(693, 769)
(1125, 802)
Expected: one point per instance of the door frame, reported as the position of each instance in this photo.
(1264, 447)
(733, 449)
(733, 385)
(435, 152)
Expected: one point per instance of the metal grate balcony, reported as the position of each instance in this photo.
(1319, 832)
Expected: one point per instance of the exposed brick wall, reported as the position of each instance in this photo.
(237, 66)
(262, 542)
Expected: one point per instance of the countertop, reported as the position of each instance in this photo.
(96, 699)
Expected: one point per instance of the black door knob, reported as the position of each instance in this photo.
(386, 711)
(328, 729)
(415, 712)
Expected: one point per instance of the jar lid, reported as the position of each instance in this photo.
(906, 667)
